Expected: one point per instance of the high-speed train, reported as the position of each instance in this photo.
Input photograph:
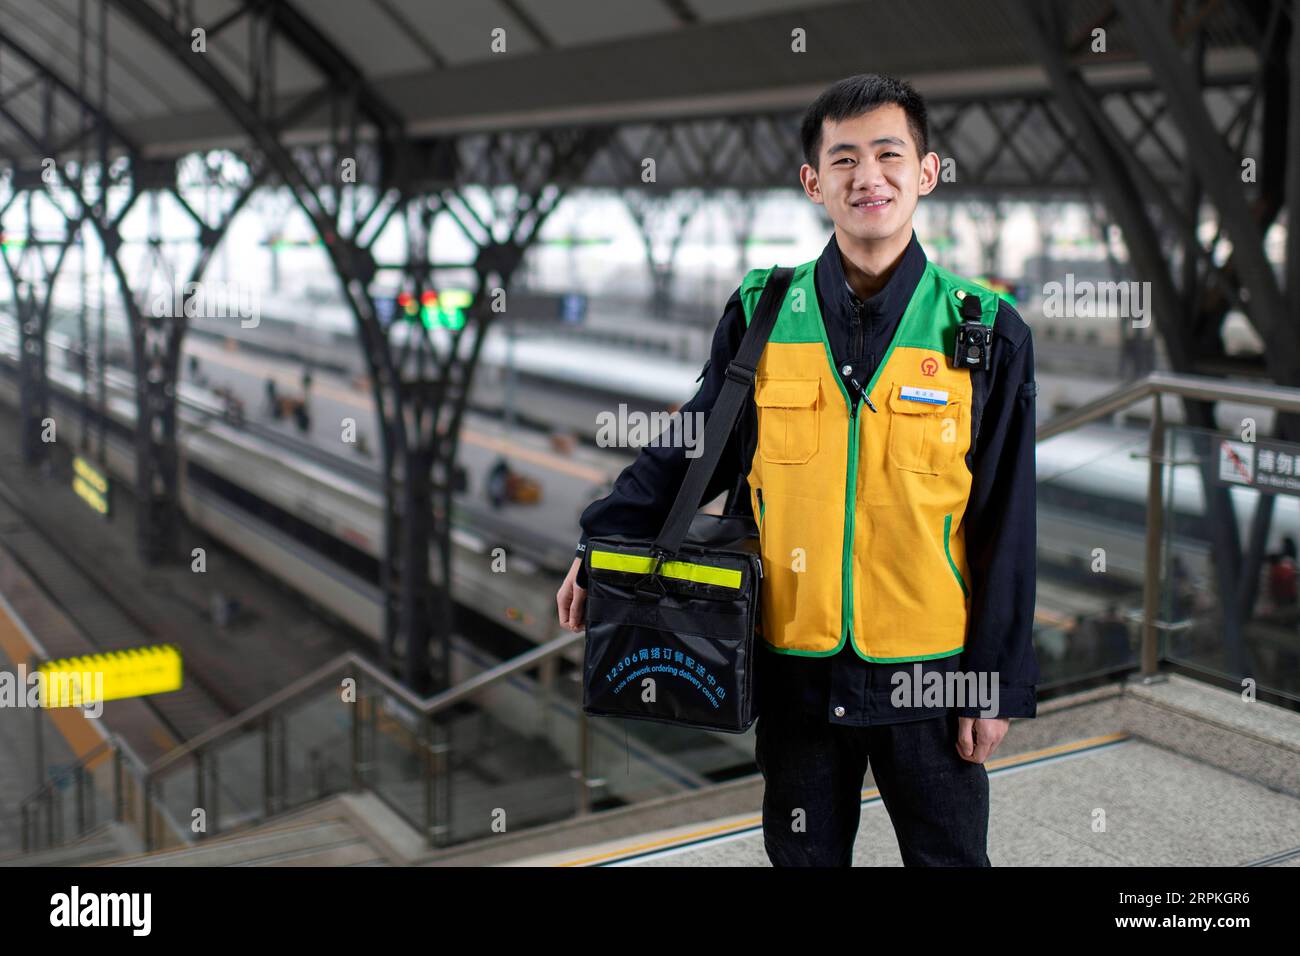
(314, 523)
(1091, 494)
(570, 371)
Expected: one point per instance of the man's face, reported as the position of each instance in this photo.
(868, 175)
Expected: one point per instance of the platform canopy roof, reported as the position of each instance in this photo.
(566, 62)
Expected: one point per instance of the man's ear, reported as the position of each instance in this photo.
(810, 182)
(929, 173)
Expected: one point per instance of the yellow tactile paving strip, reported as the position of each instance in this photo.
(75, 728)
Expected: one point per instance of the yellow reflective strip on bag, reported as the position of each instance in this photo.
(682, 570)
(702, 573)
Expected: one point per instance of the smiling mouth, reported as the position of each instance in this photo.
(870, 203)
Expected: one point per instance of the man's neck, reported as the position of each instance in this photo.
(868, 265)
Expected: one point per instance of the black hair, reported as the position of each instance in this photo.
(855, 95)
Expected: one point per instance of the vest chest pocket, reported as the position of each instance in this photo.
(787, 419)
(923, 437)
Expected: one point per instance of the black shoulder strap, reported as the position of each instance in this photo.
(980, 388)
(722, 419)
(979, 376)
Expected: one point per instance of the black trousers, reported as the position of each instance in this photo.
(813, 773)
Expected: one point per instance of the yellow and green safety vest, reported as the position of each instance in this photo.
(860, 512)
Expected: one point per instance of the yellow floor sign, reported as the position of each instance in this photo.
(75, 681)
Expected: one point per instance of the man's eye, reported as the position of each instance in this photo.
(846, 159)
(891, 153)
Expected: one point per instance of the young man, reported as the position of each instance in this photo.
(894, 492)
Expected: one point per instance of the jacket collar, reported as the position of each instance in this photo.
(837, 299)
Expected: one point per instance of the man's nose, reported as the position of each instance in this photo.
(867, 175)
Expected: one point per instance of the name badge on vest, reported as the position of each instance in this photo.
(931, 396)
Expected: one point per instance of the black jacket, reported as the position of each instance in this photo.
(1000, 515)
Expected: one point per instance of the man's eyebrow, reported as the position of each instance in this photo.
(852, 147)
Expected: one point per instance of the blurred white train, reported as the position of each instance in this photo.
(313, 523)
(570, 371)
(1091, 492)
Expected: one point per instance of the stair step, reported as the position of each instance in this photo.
(350, 854)
(101, 846)
(255, 847)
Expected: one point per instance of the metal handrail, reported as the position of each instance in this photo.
(109, 745)
(1155, 385)
(349, 663)
(427, 706)
(1202, 387)
(47, 792)
(57, 775)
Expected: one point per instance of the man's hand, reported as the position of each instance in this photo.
(572, 600)
(978, 737)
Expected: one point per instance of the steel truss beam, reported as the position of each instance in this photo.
(351, 187)
(156, 340)
(1015, 145)
(31, 272)
(32, 276)
(661, 219)
(1192, 291)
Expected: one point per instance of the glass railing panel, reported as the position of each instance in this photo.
(76, 796)
(56, 810)
(636, 760)
(96, 786)
(174, 801)
(236, 775)
(394, 752)
(315, 746)
(1216, 484)
(507, 758)
(1091, 517)
(132, 810)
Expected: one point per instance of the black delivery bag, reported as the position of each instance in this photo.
(671, 623)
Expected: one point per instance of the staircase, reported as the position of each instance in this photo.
(352, 829)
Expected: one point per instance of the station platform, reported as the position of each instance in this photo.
(1186, 774)
(1042, 806)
